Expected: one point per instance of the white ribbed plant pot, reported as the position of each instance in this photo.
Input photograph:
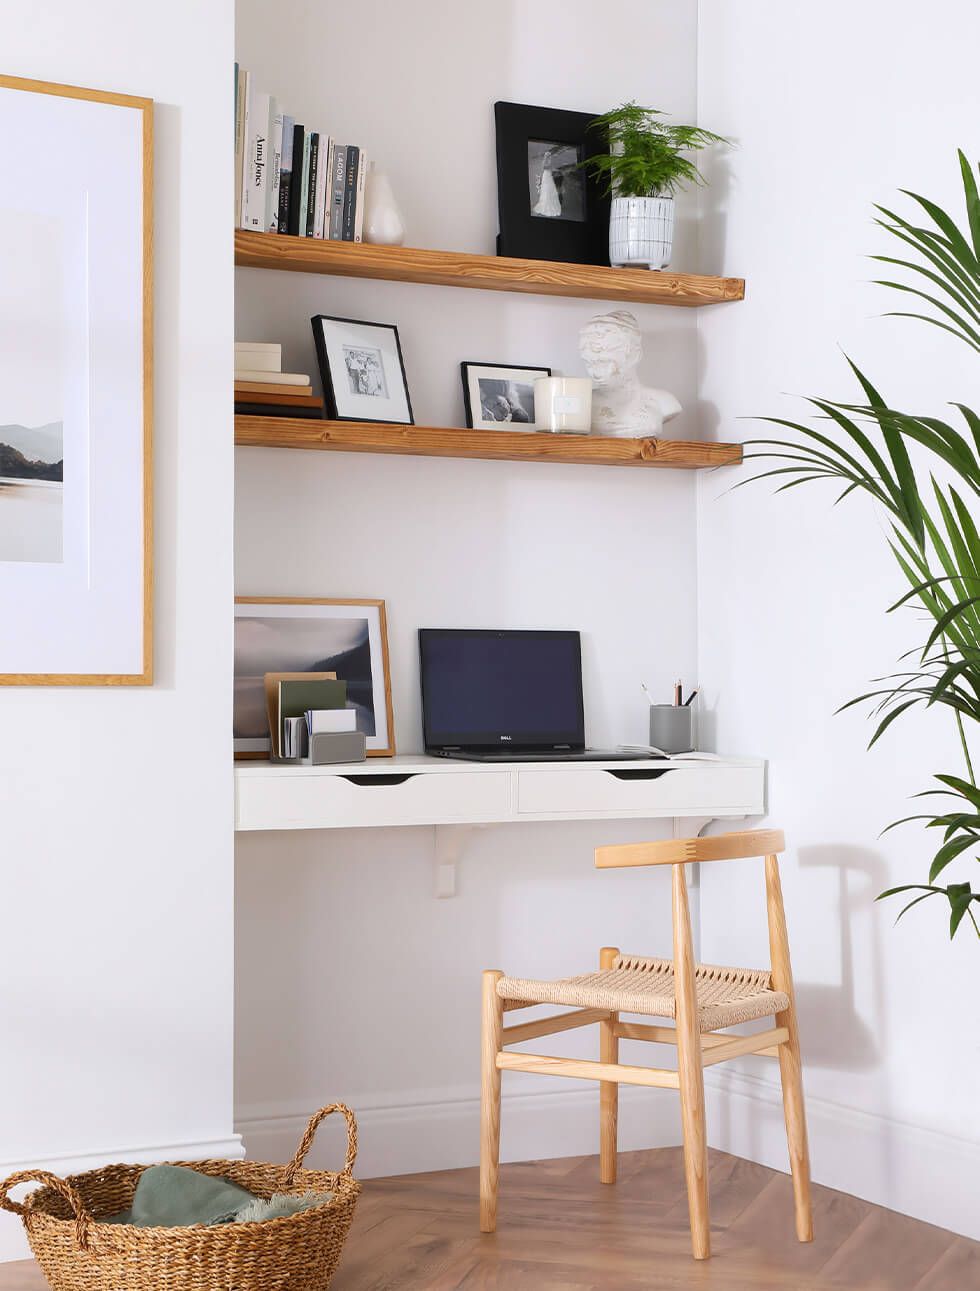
(641, 232)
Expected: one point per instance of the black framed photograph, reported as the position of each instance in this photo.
(362, 370)
(500, 396)
(549, 206)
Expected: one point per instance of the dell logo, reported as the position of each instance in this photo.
(506, 737)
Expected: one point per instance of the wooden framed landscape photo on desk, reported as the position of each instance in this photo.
(76, 396)
(348, 638)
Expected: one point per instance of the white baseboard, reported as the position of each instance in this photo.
(13, 1243)
(918, 1172)
(445, 1134)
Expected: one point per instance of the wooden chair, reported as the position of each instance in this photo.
(700, 998)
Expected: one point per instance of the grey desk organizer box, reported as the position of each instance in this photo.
(672, 727)
(330, 747)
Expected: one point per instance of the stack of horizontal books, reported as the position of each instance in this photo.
(290, 178)
(262, 389)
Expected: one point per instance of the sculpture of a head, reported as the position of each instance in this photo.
(610, 346)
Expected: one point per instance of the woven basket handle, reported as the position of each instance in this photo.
(289, 1174)
(83, 1220)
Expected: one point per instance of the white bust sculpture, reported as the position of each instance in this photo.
(611, 347)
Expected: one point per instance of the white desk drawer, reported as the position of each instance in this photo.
(304, 801)
(673, 791)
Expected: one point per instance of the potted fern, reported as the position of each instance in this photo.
(641, 172)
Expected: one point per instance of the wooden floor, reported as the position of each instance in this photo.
(561, 1230)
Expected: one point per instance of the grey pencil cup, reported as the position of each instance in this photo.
(672, 728)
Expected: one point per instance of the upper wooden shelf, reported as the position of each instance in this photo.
(499, 445)
(489, 273)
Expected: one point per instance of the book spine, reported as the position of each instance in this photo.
(248, 409)
(257, 161)
(338, 179)
(304, 183)
(324, 206)
(311, 190)
(350, 193)
(285, 175)
(246, 95)
(239, 87)
(295, 181)
(274, 177)
(323, 170)
(362, 167)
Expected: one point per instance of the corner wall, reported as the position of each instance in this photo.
(116, 824)
(833, 108)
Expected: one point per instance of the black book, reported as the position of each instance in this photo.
(311, 190)
(276, 410)
(350, 193)
(292, 215)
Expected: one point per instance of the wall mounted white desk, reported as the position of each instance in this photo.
(455, 796)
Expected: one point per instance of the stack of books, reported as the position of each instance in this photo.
(262, 389)
(290, 178)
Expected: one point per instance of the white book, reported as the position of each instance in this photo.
(275, 167)
(271, 378)
(322, 175)
(322, 721)
(259, 347)
(240, 75)
(266, 359)
(257, 163)
(362, 169)
(245, 94)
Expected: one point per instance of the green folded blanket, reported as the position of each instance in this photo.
(173, 1196)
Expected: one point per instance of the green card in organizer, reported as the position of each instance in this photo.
(296, 696)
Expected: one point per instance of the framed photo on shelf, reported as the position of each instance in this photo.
(306, 634)
(362, 370)
(499, 396)
(549, 206)
(76, 390)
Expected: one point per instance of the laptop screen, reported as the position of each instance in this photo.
(501, 689)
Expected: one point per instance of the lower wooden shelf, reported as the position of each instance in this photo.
(498, 445)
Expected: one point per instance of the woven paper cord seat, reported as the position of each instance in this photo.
(726, 996)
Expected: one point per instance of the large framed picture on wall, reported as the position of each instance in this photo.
(76, 396)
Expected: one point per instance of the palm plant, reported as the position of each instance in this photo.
(935, 540)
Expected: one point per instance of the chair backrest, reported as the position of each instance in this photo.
(677, 852)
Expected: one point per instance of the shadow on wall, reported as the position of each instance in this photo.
(835, 1035)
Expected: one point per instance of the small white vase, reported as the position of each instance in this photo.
(641, 232)
(383, 222)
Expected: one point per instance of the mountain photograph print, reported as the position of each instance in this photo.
(32, 358)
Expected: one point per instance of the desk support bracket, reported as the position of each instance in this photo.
(449, 843)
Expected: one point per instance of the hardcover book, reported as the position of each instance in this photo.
(275, 164)
(323, 170)
(302, 193)
(338, 181)
(285, 174)
(311, 188)
(245, 95)
(257, 163)
(350, 193)
(295, 180)
(362, 168)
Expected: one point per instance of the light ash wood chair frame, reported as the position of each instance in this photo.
(696, 1049)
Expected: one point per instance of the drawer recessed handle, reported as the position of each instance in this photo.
(393, 777)
(639, 773)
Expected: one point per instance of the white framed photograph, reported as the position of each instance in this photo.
(362, 370)
(499, 396)
(303, 634)
(76, 310)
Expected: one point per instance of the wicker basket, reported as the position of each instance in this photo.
(297, 1253)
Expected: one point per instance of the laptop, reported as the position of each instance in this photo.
(505, 696)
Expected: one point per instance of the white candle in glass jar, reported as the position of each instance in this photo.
(563, 405)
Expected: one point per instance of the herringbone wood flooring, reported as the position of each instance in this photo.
(560, 1230)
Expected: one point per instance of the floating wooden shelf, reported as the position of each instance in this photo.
(489, 273)
(500, 445)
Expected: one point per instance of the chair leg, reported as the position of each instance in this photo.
(794, 1111)
(690, 1071)
(492, 1028)
(608, 1089)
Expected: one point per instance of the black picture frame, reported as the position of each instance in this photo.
(582, 235)
(341, 403)
(474, 418)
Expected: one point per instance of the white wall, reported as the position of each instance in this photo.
(834, 107)
(115, 831)
(337, 932)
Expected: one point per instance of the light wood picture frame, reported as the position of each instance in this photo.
(347, 636)
(76, 390)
